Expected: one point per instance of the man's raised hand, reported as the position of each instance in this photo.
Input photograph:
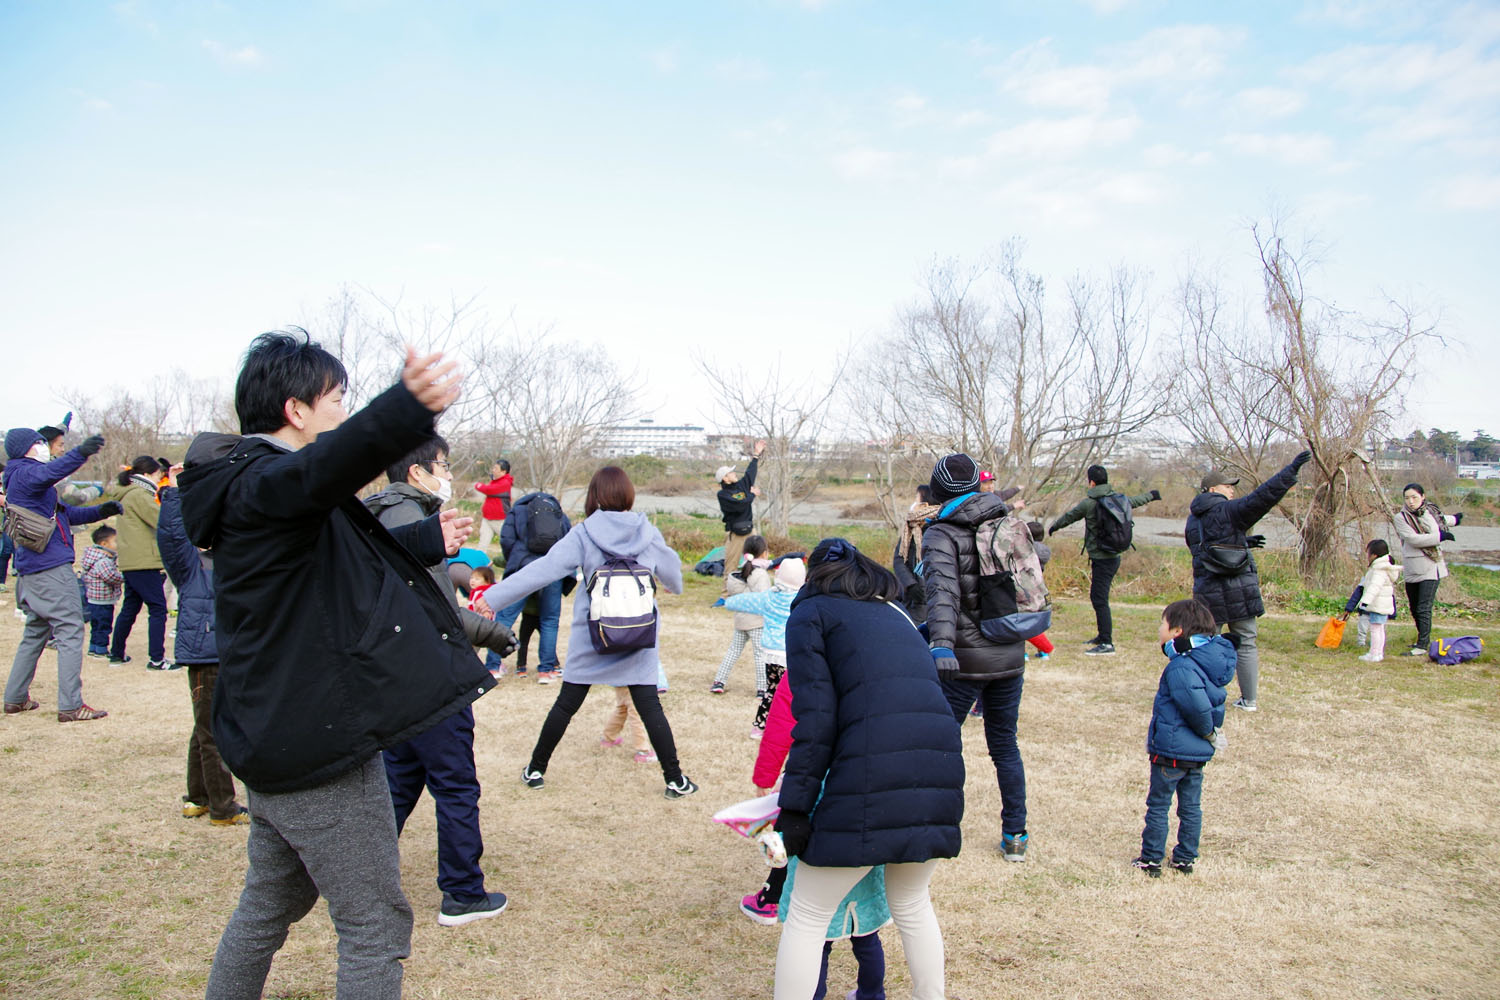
(432, 380)
(456, 528)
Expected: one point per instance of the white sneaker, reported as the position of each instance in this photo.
(1371, 658)
(1248, 706)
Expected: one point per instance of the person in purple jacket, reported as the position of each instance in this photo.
(46, 588)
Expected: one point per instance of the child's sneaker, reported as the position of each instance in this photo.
(762, 913)
(1185, 867)
(1044, 656)
(544, 678)
(605, 741)
(681, 788)
(98, 654)
(718, 688)
(192, 810)
(1014, 847)
(1371, 658)
(645, 757)
(1151, 868)
(240, 817)
(760, 695)
(531, 777)
(520, 671)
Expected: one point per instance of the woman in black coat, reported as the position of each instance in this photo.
(875, 774)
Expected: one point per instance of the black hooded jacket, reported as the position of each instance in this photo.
(1214, 519)
(950, 572)
(736, 502)
(334, 640)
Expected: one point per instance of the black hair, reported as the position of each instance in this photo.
(1037, 531)
(837, 567)
(50, 433)
(1378, 547)
(755, 546)
(102, 534)
(144, 465)
(282, 365)
(423, 454)
(504, 464)
(1414, 486)
(485, 572)
(1191, 615)
(924, 493)
(1098, 475)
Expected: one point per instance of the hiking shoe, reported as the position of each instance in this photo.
(1246, 705)
(454, 913)
(1151, 868)
(761, 913)
(531, 777)
(1185, 867)
(162, 664)
(1014, 847)
(645, 756)
(192, 810)
(118, 660)
(681, 788)
(1100, 649)
(17, 707)
(718, 688)
(240, 817)
(81, 714)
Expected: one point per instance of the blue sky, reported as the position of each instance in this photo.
(740, 178)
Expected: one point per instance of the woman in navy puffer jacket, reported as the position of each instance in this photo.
(875, 774)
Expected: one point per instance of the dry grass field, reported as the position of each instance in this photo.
(1351, 843)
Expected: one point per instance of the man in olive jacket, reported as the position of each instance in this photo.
(334, 641)
(1104, 562)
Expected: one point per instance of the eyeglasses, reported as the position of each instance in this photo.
(442, 465)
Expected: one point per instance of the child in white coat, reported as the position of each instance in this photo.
(1378, 602)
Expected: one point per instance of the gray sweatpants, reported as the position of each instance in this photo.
(1247, 669)
(53, 607)
(337, 841)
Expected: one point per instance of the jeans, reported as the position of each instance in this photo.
(1001, 700)
(1102, 576)
(442, 761)
(7, 549)
(143, 586)
(208, 780)
(336, 840)
(869, 958)
(100, 617)
(647, 706)
(549, 611)
(1247, 658)
(1187, 783)
(1420, 596)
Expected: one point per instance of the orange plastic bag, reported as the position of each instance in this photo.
(1332, 634)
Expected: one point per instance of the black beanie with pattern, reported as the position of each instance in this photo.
(953, 476)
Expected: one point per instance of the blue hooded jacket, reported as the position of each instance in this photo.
(1190, 700)
(33, 485)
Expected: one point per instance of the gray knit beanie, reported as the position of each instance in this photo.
(953, 476)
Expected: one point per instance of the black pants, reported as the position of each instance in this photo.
(530, 624)
(647, 706)
(1103, 576)
(1420, 596)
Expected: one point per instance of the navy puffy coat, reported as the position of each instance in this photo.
(874, 736)
(193, 575)
(1214, 519)
(1190, 701)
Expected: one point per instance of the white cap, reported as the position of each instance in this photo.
(724, 470)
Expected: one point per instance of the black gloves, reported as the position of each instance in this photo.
(1156, 494)
(945, 661)
(1255, 541)
(1303, 457)
(91, 446)
(795, 829)
(110, 508)
(1458, 519)
(568, 583)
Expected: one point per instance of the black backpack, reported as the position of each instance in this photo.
(1114, 525)
(545, 523)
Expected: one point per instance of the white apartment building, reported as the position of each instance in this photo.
(647, 437)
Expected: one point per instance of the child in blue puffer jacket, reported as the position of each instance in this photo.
(1185, 724)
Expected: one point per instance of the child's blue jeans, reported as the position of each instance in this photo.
(869, 957)
(1187, 784)
(100, 618)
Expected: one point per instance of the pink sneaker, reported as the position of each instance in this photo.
(605, 741)
(645, 756)
(761, 913)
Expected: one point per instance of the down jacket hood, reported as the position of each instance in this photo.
(212, 463)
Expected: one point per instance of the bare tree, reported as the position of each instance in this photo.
(789, 413)
(1251, 394)
(980, 364)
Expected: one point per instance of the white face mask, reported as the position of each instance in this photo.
(40, 452)
(444, 491)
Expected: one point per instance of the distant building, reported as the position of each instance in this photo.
(1479, 470)
(647, 437)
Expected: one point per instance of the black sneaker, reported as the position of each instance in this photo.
(1100, 649)
(453, 913)
(119, 659)
(162, 664)
(681, 788)
(531, 777)
(1094, 641)
(1151, 868)
(1185, 867)
(718, 688)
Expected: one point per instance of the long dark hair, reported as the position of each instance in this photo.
(755, 547)
(837, 567)
(144, 465)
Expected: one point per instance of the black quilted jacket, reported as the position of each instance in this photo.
(950, 573)
(1214, 519)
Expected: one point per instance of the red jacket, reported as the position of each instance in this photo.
(496, 498)
(776, 741)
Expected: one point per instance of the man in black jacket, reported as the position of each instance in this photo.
(514, 535)
(1224, 573)
(736, 505)
(334, 642)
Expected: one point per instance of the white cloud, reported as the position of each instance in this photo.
(1471, 191)
(741, 69)
(1270, 102)
(665, 59)
(1293, 149)
(865, 163)
(246, 56)
(909, 103)
(1180, 52)
(1037, 77)
(1043, 138)
(1164, 154)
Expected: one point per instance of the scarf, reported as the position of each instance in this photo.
(1413, 520)
(909, 541)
